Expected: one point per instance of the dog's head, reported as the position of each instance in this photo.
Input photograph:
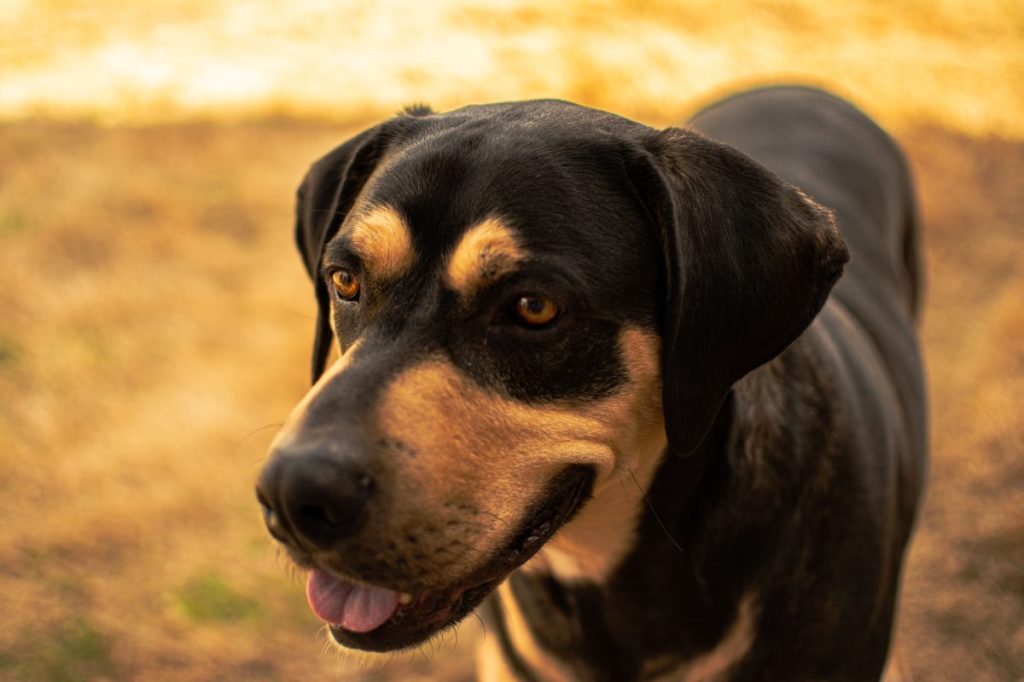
(527, 298)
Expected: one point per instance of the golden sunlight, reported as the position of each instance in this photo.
(948, 62)
(155, 320)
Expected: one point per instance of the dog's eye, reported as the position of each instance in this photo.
(536, 311)
(346, 284)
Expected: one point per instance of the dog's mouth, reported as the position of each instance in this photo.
(377, 618)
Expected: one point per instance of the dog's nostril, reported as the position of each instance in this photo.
(315, 496)
(264, 503)
(270, 517)
(325, 516)
(309, 516)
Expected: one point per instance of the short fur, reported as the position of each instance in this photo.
(706, 467)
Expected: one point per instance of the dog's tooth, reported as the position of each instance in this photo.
(404, 598)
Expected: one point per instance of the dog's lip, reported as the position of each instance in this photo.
(444, 604)
(421, 614)
(425, 615)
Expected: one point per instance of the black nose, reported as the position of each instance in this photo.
(313, 497)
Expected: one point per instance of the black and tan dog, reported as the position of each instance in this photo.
(594, 371)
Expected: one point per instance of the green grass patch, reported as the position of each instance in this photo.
(10, 352)
(77, 651)
(12, 222)
(208, 598)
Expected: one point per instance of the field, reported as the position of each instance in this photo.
(155, 322)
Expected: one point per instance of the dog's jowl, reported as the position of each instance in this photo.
(651, 400)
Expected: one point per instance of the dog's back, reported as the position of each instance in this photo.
(843, 160)
(866, 332)
(838, 156)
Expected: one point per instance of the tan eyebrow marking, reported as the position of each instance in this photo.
(382, 239)
(487, 251)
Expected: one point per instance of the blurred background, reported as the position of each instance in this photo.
(155, 321)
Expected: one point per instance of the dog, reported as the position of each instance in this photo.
(652, 399)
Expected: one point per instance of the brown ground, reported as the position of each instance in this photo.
(154, 327)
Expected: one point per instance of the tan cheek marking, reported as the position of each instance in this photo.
(382, 239)
(602, 533)
(489, 454)
(487, 251)
(498, 455)
(287, 432)
(523, 641)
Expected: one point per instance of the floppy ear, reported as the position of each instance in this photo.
(750, 261)
(324, 198)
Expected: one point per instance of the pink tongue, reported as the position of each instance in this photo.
(358, 608)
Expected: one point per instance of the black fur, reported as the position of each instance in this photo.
(795, 420)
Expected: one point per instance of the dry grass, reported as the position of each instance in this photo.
(154, 328)
(963, 609)
(154, 319)
(168, 60)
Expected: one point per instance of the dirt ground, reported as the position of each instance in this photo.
(154, 330)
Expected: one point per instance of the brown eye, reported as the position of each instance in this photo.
(536, 311)
(346, 284)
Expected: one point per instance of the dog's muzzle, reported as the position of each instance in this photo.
(312, 501)
(320, 506)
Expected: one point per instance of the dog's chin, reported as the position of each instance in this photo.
(420, 616)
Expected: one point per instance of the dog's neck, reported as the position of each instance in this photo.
(675, 597)
(594, 542)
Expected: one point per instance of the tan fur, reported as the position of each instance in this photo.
(486, 251)
(523, 642)
(491, 665)
(592, 544)
(713, 665)
(495, 456)
(383, 241)
(896, 669)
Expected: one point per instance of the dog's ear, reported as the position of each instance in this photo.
(749, 262)
(323, 200)
(326, 196)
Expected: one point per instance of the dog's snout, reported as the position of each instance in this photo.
(313, 496)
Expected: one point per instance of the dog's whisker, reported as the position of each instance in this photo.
(455, 641)
(493, 515)
(483, 623)
(241, 441)
(420, 651)
(654, 512)
(622, 484)
(328, 645)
